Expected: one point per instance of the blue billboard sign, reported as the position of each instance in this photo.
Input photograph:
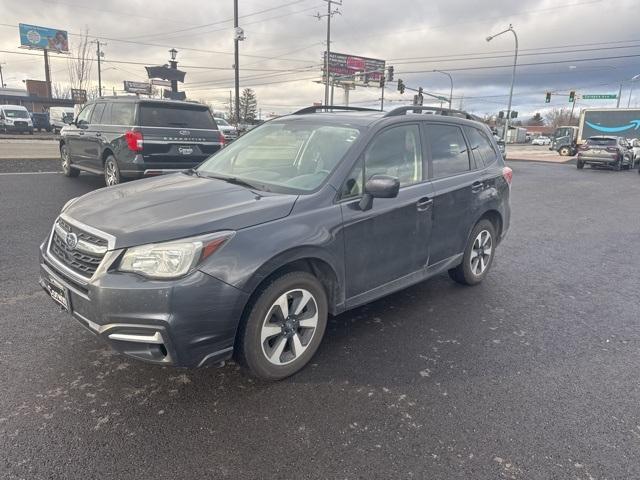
(43, 38)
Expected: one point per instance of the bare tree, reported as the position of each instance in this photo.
(81, 63)
(560, 116)
(60, 90)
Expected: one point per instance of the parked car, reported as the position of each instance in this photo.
(15, 118)
(59, 117)
(541, 140)
(635, 149)
(41, 121)
(229, 132)
(130, 137)
(605, 151)
(306, 216)
(501, 146)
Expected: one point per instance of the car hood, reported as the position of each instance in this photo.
(175, 206)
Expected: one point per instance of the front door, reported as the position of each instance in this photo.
(77, 138)
(389, 242)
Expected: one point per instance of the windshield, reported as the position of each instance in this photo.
(222, 121)
(16, 114)
(602, 141)
(283, 156)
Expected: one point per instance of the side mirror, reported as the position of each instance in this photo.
(379, 186)
(67, 120)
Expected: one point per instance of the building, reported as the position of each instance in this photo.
(34, 97)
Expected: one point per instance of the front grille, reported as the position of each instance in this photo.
(83, 263)
(20, 124)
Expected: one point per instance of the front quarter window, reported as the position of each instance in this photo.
(289, 156)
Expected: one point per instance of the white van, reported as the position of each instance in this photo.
(57, 116)
(15, 118)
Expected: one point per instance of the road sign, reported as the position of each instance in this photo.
(78, 95)
(137, 87)
(604, 96)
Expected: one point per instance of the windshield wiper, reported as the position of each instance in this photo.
(234, 180)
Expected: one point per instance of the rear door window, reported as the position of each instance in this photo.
(449, 152)
(481, 147)
(175, 116)
(123, 113)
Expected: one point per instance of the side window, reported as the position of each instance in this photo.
(481, 147)
(449, 153)
(397, 152)
(96, 116)
(123, 113)
(85, 114)
(106, 115)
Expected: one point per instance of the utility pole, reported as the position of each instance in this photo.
(174, 65)
(330, 13)
(1, 77)
(47, 73)
(99, 54)
(237, 37)
(619, 95)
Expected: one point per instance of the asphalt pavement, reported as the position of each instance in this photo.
(531, 375)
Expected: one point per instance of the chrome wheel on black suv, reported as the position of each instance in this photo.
(111, 171)
(65, 162)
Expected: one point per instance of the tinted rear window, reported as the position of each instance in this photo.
(602, 142)
(175, 116)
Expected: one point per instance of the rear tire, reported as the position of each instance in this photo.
(65, 162)
(111, 172)
(580, 164)
(478, 255)
(618, 166)
(274, 344)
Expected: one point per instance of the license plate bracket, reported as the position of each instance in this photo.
(58, 293)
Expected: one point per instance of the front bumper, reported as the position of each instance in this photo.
(187, 322)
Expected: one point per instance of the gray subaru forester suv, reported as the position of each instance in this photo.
(306, 216)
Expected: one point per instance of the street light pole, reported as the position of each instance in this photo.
(174, 65)
(633, 79)
(1, 77)
(513, 76)
(451, 81)
(330, 13)
(236, 60)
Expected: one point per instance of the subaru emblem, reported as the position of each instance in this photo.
(185, 132)
(71, 240)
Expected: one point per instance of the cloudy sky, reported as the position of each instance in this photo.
(585, 45)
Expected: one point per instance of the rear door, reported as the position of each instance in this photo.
(177, 135)
(93, 138)
(455, 183)
(391, 240)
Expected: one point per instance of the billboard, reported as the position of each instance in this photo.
(351, 67)
(78, 95)
(618, 122)
(44, 38)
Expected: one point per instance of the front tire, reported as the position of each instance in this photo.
(284, 327)
(478, 255)
(564, 151)
(65, 162)
(111, 171)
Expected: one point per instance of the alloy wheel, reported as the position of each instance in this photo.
(110, 173)
(481, 252)
(64, 156)
(289, 326)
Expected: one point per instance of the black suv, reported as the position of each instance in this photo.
(307, 215)
(129, 137)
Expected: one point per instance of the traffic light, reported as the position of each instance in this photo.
(400, 86)
(548, 98)
(390, 73)
(572, 96)
(382, 81)
(419, 90)
(514, 114)
(500, 114)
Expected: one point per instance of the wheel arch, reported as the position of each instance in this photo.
(105, 153)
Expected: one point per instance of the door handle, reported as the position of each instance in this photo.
(98, 134)
(477, 187)
(424, 204)
(81, 133)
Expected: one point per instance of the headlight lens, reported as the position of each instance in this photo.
(171, 259)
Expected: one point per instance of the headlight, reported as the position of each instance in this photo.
(174, 259)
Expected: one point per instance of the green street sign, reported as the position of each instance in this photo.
(606, 96)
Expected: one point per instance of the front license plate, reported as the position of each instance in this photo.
(58, 293)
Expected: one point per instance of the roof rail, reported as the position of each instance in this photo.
(315, 108)
(434, 110)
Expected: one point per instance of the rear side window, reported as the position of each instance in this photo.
(122, 113)
(177, 116)
(481, 147)
(449, 153)
(96, 116)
